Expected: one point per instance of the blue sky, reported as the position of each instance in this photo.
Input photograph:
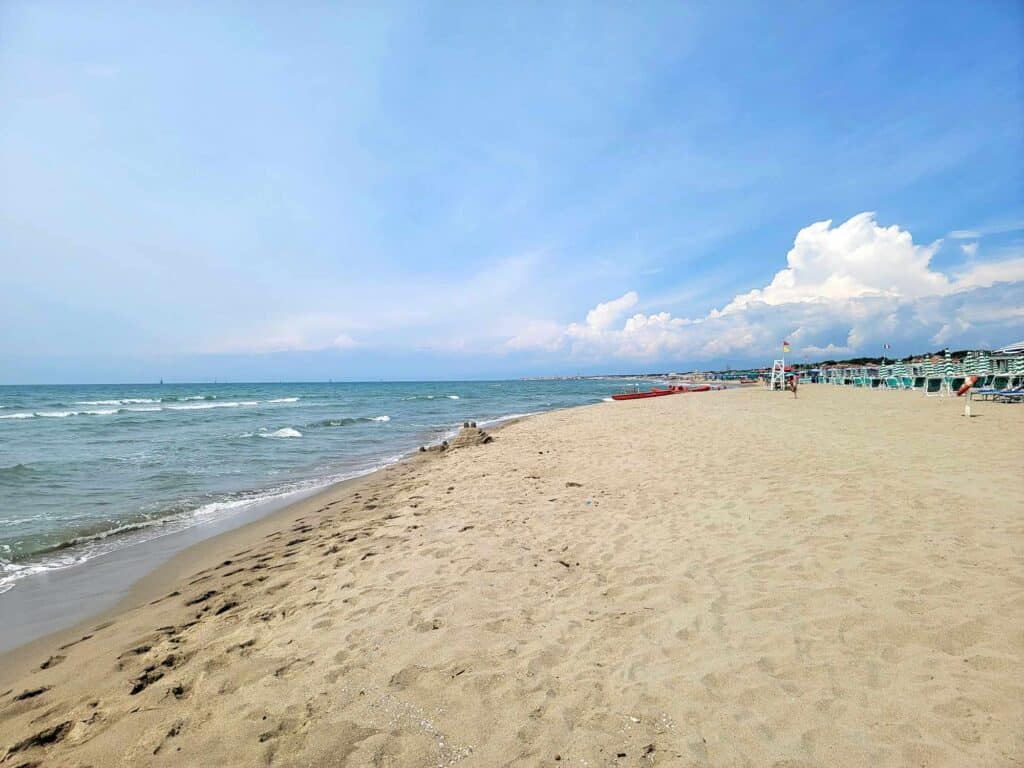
(241, 191)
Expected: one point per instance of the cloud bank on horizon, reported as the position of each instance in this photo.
(845, 290)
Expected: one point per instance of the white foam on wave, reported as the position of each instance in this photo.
(65, 414)
(11, 522)
(452, 397)
(284, 400)
(125, 401)
(144, 410)
(18, 416)
(381, 418)
(606, 400)
(10, 573)
(13, 571)
(508, 417)
(283, 432)
(202, 406)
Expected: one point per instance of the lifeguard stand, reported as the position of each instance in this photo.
(778, 379)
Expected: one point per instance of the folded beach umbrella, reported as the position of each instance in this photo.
(984, 363)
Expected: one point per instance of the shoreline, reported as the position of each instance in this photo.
(113, 582)
(145, 485)
(640, 579)
(146, 585)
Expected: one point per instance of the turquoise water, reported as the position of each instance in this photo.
(85, 469)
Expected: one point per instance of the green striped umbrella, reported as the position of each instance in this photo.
(984, 363)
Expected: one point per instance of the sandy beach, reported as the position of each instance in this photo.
(724, 579)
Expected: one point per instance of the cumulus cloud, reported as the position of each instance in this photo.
(856, 259)
(603, 316)
(844, 289)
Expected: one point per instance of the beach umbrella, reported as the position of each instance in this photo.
(900, 369)
(1012, 349)
(984, 363)
(970, 364)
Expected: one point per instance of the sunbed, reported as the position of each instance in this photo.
(999, 385)
(1010, 396)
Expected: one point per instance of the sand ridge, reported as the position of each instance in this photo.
(661, 582)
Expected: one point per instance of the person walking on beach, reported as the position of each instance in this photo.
(792, 384)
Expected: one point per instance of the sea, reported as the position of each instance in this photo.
(85, 470)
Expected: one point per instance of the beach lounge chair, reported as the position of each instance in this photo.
(1010, 396)
(997, 385)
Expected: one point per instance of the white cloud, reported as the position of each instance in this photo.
(541, 335)
(845, 289)
(856, 259)
(461, 314)
(971, 249)
(344, 341)
(292, 333)
(987, 274)
(604, 315)
(992, 228)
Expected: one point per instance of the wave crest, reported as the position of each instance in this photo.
(283, 432)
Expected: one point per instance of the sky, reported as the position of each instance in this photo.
(312, 191)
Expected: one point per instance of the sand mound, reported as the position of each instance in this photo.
(470, 434)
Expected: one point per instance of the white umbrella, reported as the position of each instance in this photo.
(1011, 349)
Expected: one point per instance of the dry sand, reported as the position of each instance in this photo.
(728, 579)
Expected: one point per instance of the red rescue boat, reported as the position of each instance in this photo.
(655, 392)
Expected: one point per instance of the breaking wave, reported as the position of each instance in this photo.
(283, 432)
(202, 406)
(125, 401)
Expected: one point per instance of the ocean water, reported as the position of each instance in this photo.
(86, 469)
